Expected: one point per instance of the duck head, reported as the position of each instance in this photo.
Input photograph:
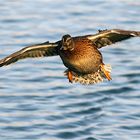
(67, 43)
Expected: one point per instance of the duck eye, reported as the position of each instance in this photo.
(65, 38)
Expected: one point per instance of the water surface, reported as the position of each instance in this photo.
(36, 100)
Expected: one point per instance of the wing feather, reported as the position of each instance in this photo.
(37, 50)
(108, 37)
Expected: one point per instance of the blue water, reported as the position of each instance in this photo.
(36, 100)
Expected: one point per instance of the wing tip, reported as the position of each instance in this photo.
(125, 32)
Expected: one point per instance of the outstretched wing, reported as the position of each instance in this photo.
(37, 50)
(108, 37)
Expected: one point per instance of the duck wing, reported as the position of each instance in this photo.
(37, 50)
(108, 37)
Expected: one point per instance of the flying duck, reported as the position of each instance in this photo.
(79, 54)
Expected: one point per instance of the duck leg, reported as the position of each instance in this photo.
(69, 75)
(106, 69)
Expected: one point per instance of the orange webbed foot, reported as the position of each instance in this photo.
(106, 70)
(69, 75)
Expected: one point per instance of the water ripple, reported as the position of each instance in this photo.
(36, 99)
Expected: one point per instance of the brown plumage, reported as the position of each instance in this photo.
(79, 54)
(83, 60)
(79, 59)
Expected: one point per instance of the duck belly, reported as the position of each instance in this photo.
(84, 65)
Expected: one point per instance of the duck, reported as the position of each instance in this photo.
(80, 54)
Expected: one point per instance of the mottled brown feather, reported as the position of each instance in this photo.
(85, 57)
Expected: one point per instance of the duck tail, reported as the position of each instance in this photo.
(92, 78)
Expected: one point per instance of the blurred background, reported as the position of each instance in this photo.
(36, 100)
